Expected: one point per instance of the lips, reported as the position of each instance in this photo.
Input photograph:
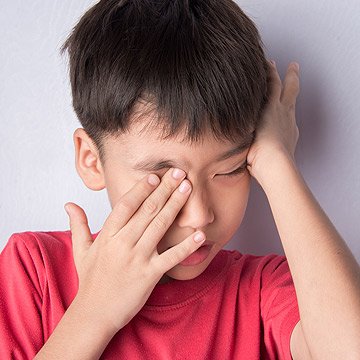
(198, 256)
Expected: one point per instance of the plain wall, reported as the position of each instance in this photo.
(38, 175)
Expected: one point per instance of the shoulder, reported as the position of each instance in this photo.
(265, 276)
(37, 283)
(39, 241)
(37, 259)
(36, 249)
(262, 276)
(40, 248)
(266, 288)
(258, 265)
(45, 240)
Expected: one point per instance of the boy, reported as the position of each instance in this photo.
(177, 116)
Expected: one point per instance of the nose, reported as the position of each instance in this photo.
(197, 211)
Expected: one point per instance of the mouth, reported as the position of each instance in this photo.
(198, 256)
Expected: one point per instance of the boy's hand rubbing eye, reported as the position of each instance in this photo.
(124, 253)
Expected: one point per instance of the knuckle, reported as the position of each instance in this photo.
(124, 205)
(183, 252)
(161, 222)
(177, 202)
(294, 85)
(288, 105)
(167, 187)
(150, 207)
(176, 255)
(165, 190)
(173, 259)
(291, 107)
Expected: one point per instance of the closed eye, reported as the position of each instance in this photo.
(238, 171)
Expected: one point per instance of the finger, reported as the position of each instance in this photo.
(80, 232)
(137, 225)
(291, 86)
(274, 82)
(129, 204)
(161, 223)
(173, 256)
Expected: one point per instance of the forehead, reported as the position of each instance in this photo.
(143, 147)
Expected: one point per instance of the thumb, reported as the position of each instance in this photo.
(80, 232)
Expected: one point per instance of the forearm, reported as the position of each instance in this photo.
(325, 273)
(76, 336)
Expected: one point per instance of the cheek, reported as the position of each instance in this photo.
(230, 217)
(232, 202)
(233, 191)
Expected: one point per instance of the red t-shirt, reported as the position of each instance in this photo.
(241, 307)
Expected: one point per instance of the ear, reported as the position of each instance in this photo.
(87, 161)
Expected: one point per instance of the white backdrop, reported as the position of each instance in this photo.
(38, 175)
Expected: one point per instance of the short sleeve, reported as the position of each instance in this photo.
(279, 307)
(21, 286)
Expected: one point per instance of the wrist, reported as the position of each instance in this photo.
(78, 335)
(84, 311)
(271, 168)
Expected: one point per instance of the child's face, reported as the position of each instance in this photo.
(217, 203)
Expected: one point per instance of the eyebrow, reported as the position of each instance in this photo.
(149, 164)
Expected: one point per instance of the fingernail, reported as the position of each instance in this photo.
(153, 179)
(199, 237)
(184, 187)
(178, 174)
(273, 62)
(297, 66)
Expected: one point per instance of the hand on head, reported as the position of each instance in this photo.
(278, 132)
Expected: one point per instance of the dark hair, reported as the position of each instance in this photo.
(199, 64)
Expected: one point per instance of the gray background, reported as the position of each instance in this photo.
(38, 175)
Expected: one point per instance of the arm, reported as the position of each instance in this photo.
(77, 336)
(325, 273)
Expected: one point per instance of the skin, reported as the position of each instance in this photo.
(146, 219)
(215, 205)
